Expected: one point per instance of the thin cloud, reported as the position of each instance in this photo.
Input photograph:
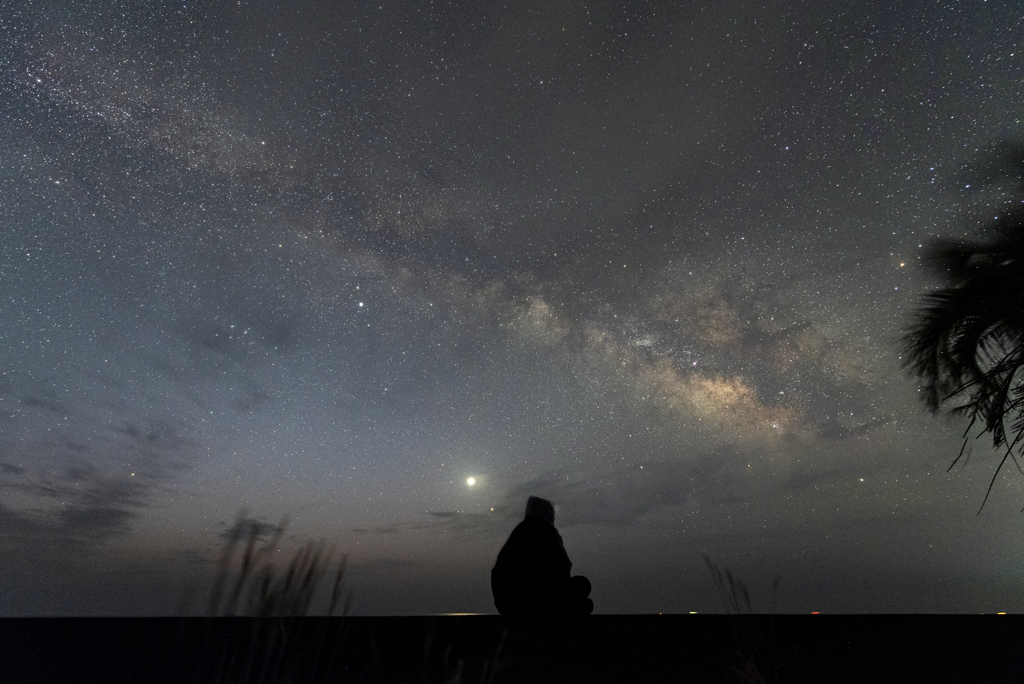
(245, 528)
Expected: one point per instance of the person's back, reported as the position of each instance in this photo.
(532, 573)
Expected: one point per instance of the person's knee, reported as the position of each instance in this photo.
(587, 607)
(579, 587)
(578, 601)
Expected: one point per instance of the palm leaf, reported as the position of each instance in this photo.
(966, 341)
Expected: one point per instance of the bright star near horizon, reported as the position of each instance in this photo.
(471, 481)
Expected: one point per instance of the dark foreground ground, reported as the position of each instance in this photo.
(978, 649)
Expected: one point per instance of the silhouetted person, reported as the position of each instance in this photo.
(532, 574)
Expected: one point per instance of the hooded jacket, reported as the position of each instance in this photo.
(531, 575)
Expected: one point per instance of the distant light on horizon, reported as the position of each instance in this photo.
(471, 481)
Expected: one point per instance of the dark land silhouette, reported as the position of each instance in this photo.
(838, 649)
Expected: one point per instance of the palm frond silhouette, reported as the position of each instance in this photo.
(966, 343)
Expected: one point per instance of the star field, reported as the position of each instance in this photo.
(389, 269)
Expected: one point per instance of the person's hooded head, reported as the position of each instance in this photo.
(540, 508)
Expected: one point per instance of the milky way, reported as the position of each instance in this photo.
(652, 262)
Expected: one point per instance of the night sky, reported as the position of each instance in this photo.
(331, 259)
